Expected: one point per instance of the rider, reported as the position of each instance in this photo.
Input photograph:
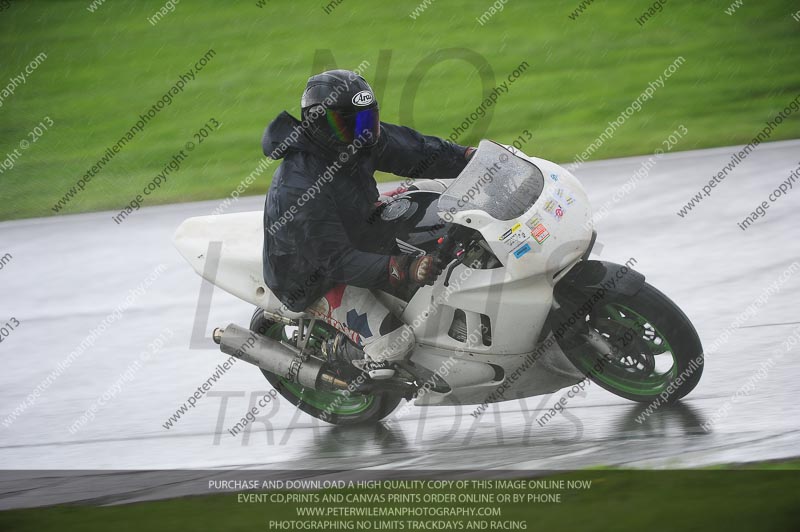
(322, 252)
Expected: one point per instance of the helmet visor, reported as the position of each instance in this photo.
(363, 125)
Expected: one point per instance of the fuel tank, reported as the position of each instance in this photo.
(412, 217)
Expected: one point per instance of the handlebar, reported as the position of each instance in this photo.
(449, 248)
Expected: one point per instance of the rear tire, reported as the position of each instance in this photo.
(336, 408)
(644, 330)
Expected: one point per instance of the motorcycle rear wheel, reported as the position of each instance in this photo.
(337, 408)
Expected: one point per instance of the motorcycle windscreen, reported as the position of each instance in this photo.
(495, 181)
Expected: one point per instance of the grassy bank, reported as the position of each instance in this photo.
(103, 69)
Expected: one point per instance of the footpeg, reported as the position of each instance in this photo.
(377, 371)
(380, 374)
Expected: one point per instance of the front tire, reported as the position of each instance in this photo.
(657, 354)
(337, 408)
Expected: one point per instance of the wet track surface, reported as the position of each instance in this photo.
(68, 273)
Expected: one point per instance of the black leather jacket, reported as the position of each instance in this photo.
(317, 230)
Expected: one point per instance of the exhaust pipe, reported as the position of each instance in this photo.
(273, 356)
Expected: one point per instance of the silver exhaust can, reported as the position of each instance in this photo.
(268, 354)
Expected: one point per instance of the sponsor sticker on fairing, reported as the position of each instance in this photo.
(514, 236)
(534, 221)
(540, 233)
(555, 206)
(565, 195)
(522, 250)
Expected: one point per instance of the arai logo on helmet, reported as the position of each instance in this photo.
(363, 98)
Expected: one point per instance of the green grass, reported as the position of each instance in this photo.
(104, 68)
(753, 497)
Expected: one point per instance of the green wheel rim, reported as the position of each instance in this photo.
(334, 403)
(653, 384)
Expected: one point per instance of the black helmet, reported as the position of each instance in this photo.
(341, 108)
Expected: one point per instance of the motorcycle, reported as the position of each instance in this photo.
(521, 310)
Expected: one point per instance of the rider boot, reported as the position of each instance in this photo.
(382, 352)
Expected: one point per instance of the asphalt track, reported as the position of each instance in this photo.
(68, 273)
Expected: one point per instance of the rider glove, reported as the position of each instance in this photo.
(418, 270)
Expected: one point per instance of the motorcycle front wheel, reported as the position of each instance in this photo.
(656, 352)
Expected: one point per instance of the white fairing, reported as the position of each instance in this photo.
(534, 247)
(541, 242)
(227, 251)
(549, 236)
